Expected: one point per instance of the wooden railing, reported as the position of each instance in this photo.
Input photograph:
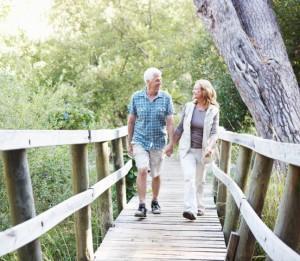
(29, 227)
(281, 244)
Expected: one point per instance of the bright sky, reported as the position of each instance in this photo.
(30, 16)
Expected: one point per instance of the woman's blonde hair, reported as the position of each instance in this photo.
(209, 93)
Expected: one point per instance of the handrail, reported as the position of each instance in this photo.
(273, 246)
(269, 148)
(280, 244)
(15, 237)
(13, 146)
(25, 139)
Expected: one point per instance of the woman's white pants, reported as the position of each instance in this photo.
(194, 172)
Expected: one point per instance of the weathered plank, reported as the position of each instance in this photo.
(167, 236)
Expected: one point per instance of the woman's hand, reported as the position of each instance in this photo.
(169, 150)
(208, 151)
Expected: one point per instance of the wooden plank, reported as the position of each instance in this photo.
(272, 245)
(269, 148)
(105, 200)
(20, 197)
(80, 183)
(18, 236)
(232, 246)
(23, 139)
(167, 236)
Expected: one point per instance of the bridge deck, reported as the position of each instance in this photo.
(167, 236)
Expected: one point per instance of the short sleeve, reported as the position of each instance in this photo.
(132, 106)
(170, 107)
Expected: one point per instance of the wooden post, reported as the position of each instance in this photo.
(232, 211)
(118, 163)
(80, 180)
(287, 226)
(124, 143)
(225, 166)
(105, 200)
(215, 188)
(256, 192)
(232, 245)
(20, 196)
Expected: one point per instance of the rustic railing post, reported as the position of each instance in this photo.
(232, 211)
(118, 163)
(80, 180)
(124, 142)
(256, 192)
(225, 166)
(105, 200)
(287, 226)
(232, 245)
(20, 197)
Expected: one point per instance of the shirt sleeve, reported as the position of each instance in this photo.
(132, 107)
(170, 107)
(215, 125)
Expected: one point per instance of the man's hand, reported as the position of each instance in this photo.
(169, 150)
(130, 149)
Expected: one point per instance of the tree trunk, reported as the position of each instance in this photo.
(247, 36)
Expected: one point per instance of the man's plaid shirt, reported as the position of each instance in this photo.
(150, 125)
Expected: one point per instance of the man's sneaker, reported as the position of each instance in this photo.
(188, 215)
(155, 207)
(141, 212)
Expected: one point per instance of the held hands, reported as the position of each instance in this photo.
(169, 150)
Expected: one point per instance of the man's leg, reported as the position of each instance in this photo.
(156, 158)
(142, 161)
(155, 187)
(141, 182)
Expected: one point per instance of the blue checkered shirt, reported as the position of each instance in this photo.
(150, 125)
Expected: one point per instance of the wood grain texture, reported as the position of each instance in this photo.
(167, 236)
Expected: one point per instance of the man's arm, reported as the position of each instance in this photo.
(130, 124)
(170, 131)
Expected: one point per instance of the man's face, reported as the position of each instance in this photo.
(155, 83)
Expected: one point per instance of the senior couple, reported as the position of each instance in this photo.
(150, 113)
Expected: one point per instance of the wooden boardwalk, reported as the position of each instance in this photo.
(167, 236)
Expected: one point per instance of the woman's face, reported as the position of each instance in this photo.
(197, 92)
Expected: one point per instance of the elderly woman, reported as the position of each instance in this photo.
(197, 132)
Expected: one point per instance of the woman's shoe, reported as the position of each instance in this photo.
(200, 213)
(188, 215)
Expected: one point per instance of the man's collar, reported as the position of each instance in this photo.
(158, 95)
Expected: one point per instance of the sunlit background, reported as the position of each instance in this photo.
(28, 16)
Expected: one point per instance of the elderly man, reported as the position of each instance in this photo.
(150, 113)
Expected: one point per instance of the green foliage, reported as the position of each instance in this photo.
(130, 180)
(288, 16)
(72, 118)
(82, 77)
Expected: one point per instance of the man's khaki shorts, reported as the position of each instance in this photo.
(150, 159)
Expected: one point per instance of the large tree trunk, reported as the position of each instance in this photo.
(247, 36)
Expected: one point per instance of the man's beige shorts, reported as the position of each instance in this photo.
(152, 159)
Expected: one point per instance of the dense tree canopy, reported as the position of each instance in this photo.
(83, 75)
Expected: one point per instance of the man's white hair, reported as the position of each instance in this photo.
(150, 73)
